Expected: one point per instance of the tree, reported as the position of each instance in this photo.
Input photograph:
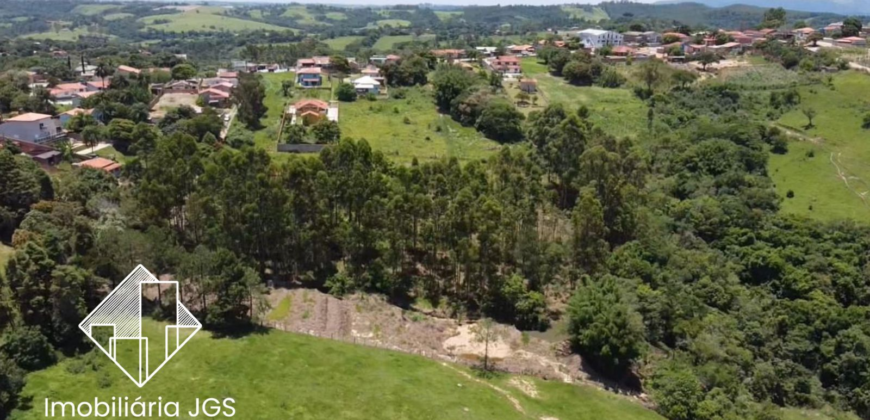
(604, 328)
(578, 73)
(325, 131)
(800, 24)
(501, 121)
(80, 121)
(486, 331)
(590, 233)
(120, 132)
(340, 64)
(684, 78)
(294, 134)
(28, 348)
(706, 58)
(102, 71)
(651, 73)
(345, 92)
(183, 71)
(450, 82)
(677, 391)
(815, 37)
(773, 18)
(852, 26)
(12, 379)
(287, 87)
(248, 96)
(810, 113)
(495, 81)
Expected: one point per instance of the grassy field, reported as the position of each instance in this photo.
(616, 111)
(447, 15)
(578, 12)
(429, 135)
(282, 375)
(205, 19)
(395, 23)
(387, 43)
(62, 34)
(93, 9)
(302, 16)
(341, 42)
(336, 16)
(116, 16)
(834, 182)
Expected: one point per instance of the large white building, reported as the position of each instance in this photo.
(32, 128)
(597, 38)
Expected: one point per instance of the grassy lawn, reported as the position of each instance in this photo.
(821, 190)
(340, 43)
(387, 43)
(395, 23)
(206, 19)
(116, 16)
(111, 153)
(429, 135)
(93, 9)
(336, 16)
(616, 111)
(578, 12)
(282, 375)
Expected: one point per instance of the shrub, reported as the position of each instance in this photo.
(28, 348)
(345, 92)
(790, 194)
(866, 123)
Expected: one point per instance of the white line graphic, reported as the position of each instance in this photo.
(122, 311)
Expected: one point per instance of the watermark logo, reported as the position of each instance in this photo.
(116, 327)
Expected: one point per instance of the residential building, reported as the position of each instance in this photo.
(505, 65)
(366, 85)
(32, 127)
(311, 111)
(127, 70)
(215, 97)
(521, 50)
(852, 41)
(802, 34)
(529, 85)
(597, 38)
(487, 51)
(639, 38)
(449, 54)
(64, 117)
(309, 77)
(109, 166)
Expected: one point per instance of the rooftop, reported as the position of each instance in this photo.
(30, 116)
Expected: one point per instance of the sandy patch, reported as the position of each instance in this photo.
(528, 387)
(464, 343)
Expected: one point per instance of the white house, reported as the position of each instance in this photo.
(367, 84)
(32, 128)
(597, 38)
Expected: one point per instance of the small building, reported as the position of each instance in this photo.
(487, 51)
(366, 85)
(98, 84)
(449, 54)
(102, 164)
(32, 127)
(305, 63)
(310, 111)
(622, 51)
(597, 38)
(309, 77)
(372, 72)
(852, 41)
(529, 85)
(215, 98)
(802, 34)
(64, 117)
(521, 50)
(127, 70)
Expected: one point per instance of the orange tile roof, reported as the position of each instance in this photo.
(98, 163)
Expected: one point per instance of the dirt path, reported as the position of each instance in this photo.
(799, 135)
(502, 391)
(845, 177)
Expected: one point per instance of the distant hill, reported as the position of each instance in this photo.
(738, 16)
(843, 7)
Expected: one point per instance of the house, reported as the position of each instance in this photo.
(311, 111)
(802, 34)
(449, 54)
(189, 86)
(98, 84)
(505, 65)
(66, 93)
(64, 117)
(487, 51)
(305, 63)
(108, 166)
(381, 59)
(32, 127)
(226, 74)
(639, 38)
(322, 61)
(372, 71)
(366, 85)
(127, 70)
(521, 50)
(676, 37)
(597, 38)
(622, 51)
(309, 77)
(852, 41)
(833, 28)
(529, 85)
(41, 154)
(215, 97)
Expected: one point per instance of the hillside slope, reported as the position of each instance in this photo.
(282, 375)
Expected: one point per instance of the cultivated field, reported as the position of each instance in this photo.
(205, 19)
(833, 183)
(284, 375)
(616, 111)
(427, 135)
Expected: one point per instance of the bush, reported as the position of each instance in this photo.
(28, 348)
(345, 92)
(339, 285)
(611, 79)
(866, 123)
(790, 194)
(11, 383)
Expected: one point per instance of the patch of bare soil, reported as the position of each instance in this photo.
(528, 387)
(371, 320)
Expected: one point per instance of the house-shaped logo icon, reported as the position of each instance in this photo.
(116, 326)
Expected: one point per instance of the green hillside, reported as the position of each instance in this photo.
(278, 375)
